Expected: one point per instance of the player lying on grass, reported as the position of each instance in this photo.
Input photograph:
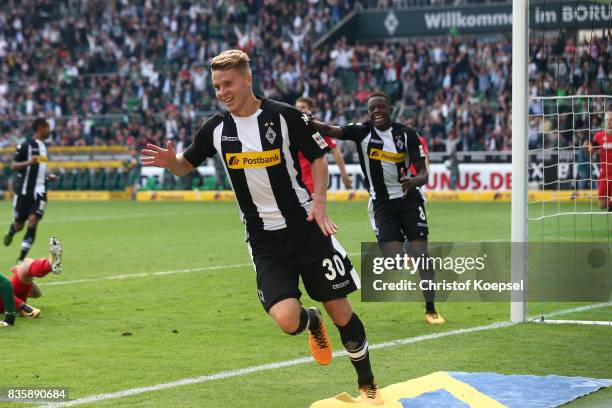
(23, 279)
(6, 298)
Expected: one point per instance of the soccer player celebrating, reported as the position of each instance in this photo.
(306, 105)
(397, 207)
(30, 201)
(603, 140)
(288, 231)
(23, 280)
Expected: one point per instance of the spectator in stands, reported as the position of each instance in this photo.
(107, 70)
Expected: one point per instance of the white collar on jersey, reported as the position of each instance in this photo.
(246, 118)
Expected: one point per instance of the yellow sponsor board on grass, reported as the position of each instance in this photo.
(169, 195)
(185, 195)
(506, 196)
(85, 164)
(76, 149)
(399, 395)
(362, 195)
(383, 155)
(96, 195)
(253, 160)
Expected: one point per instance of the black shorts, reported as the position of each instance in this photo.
(398, 220)
(24, 205)
(281, 257)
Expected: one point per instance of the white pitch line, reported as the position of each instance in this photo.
(288, 363)
(126, 216)
(264, 367)
(583, 322)
(585, 308)
(271, 366)
(145, 274)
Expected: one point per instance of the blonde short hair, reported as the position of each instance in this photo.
(231, 59)
(307, 100)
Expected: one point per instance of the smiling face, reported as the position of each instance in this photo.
(233, 87)
(379, 110)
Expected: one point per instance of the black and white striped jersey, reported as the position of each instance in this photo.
(260, 156)
(382, 154)
(31, 179)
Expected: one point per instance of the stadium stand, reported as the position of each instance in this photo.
(131, 72)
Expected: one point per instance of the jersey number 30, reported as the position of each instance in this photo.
(334, 271)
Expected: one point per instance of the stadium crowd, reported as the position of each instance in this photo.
(131, 72)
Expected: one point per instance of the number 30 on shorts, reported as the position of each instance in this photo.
(335, 267)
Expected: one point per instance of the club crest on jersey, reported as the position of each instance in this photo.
(270, 135)
(253, 160)
(305, 119)
(399, 142)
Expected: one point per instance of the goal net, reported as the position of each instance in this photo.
(566, 192)
(563, 191)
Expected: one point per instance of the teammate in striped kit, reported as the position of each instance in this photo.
(288, 231)
(30, 200)
(397, 206)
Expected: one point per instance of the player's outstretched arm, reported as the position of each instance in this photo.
(328, 130)
(167, 158)
(346, 180)
(318, 212)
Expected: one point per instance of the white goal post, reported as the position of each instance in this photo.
(520, 110)
(560, 106)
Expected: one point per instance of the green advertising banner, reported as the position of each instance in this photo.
(480, 19)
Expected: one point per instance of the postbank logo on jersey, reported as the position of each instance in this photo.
(253, 160)
(382, 155)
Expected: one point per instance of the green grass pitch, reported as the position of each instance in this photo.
(209, 320)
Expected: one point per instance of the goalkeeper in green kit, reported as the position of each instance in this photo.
(7, 298)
